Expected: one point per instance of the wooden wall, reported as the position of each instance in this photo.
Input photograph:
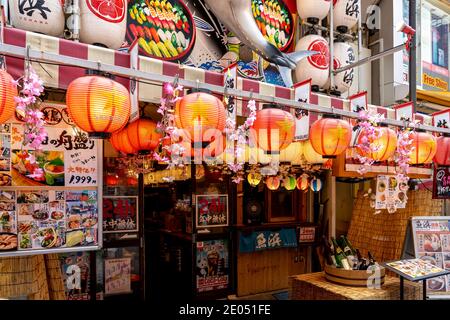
(268, 270)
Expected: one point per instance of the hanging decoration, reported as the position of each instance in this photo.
(302, 182)
(442, 156)
(28, 103)
(273, 183)
(8, 92)
(273, 130)
(424, 148)
(143, 136)
(310, 155)
(346, 14)
(315, 184)
(254, 178)
(330, 136)
(289, 183)
(313, 11)
(98, 105)
(293, 153)
(382, 148)
(121, 142)
(404, 152)
(344, 55)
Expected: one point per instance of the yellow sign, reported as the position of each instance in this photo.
(434, 82)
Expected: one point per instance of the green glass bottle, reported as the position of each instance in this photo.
(341, 259)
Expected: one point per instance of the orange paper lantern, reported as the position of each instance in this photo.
(273, 129)
(386, 145)
(330, 136)
(201, 112)
(121, 142)
(7, 91)
(143, 136)
(311, 156)
(442, 156)
(425, 147)
(98, 105)
(273, 183)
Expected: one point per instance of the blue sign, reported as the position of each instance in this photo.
(267, 239)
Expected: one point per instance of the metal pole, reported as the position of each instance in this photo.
(359, 44)
(331, 43)
(413, 55)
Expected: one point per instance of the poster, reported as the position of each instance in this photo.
(432, 243)
(441, 182)
(211, 210)
(358, 102)
(391, 193)
(120, 214)
(117, 276)
(212, 265)
(302, 93)
(76, 273)
(306, 234)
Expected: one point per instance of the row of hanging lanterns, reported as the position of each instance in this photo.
(7, 91)
(289, 183)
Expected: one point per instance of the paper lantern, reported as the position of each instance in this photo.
(302, 183)
(442, 156)
(346, 14)
(311, 156)
(273, 130)
(385, 145)
(7, 91)
(254, 179)
(316, 67)
(98, 105)
(121, 142)
(273, 183)
(293, 153)
(103, 22)
(112, 180)
(330, 136)
(313, 10)
(344, 55)
(289, 183)
(315, 185)
(255, 155)
(44, 16)
(424, 148)
(143, 135)
(202, 112)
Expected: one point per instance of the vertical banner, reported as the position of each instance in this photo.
(302, 93)
(358, 102)
(134, 88)
(404, 112)
(230, 82)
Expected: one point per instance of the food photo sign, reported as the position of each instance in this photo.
(49, 200)
(391, 193)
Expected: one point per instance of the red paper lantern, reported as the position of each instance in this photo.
(425, 147)
(98, 105)
(121, 142)
(7, 91)
(273, 183)
(386, 145)
(202, 112)
(273, 129)
(442, 156)
(112, 180)
(143, 136)
(330, 136)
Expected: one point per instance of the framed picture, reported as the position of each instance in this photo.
(211, 210)
(120, 214)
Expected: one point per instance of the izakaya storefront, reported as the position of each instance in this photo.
(118, 204)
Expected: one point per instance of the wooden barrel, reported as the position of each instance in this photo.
(355, 278)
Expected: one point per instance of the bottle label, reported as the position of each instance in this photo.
(345, 264)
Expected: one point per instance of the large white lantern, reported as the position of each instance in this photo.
(103, 22)
(313, 10)
(316, 67)
(346, 14)
(344, 55)
(43, 16)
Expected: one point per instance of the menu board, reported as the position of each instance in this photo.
(415, 269)
(117, 276)
(431, 238)
(212, 265)
(441, 182)
(391, 194)
(120, 214)
(211, 210)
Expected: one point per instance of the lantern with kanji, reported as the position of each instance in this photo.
(273, 129)
(7, 93)
(346, 14)
(311, 156)
(289, 183)
(143, 135)
(98, 105)
(273, 183)
(424, 148)
(201, 115)
(330, 136)
(442, 156)
(254, 178)
(383, 147)
(343, 55)
(313, 10)
(293, 153)
(302, 183)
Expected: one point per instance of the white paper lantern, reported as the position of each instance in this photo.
(44, 16)
(316, 67)
(346, 14)
(343, 56)
(313, 10)
(103, 22)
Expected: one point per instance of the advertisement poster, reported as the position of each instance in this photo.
(391, 194)
(117, 276)
(432, 243)
(441, 182)
(212, 265)
(120, 214)
(211, 210)
(75, 269)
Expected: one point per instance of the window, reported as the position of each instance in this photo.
(439, 36)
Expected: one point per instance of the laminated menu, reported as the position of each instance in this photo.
(391, 193)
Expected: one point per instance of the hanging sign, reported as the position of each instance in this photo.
(211, 210)
(441, 182)
(441, 119)
(302, 93)
(134, 88)
(212, 269)
(268, 239)
(391, 193)
(358, 102)
(404, 112)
